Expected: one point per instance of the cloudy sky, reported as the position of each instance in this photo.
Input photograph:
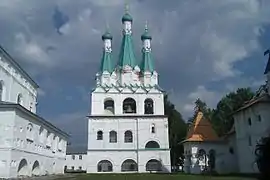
(209, 47)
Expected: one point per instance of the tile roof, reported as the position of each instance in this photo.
(201, 130)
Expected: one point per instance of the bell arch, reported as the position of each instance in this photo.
(129, 106)
(109, 106)
(148, 106)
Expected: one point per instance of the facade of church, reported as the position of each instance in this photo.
(29, 145)
(234, 152)
(127, 128)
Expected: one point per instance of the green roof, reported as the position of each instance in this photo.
(127, 17)
(127, 56)
(146, 35)
(147, 61)
(107, 35)
(106, 62)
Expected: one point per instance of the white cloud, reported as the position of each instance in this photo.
(209, 96)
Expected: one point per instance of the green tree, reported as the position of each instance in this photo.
(221, 116)
(177, 130)
(202, 106)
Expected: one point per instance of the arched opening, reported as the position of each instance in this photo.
(109, 106)
(1, 91)
(129, 165)
(105, 166)
(19, 99)
(153, 165)
(113, 137)
(128, 137)
(129, 106)
(212, 159)
(23, 168)
(99, 135)
(36, 169)
(202, 158)
(148, 106)
(151, 145)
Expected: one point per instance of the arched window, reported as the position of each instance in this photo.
(153, 165)
(19, 99)
(128, 137)
(152, 144)
(153, 128)
(202, 157)
(129, 165)
(129, 106)
(1, 91)
(148, 106)
(113, 137)
(109, 106)
(99, 135)
(105, 166)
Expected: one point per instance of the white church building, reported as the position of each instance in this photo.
(29, 145)
(234, 152)
(127, 128)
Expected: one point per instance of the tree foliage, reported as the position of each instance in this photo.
(202, 106)
(221, 116)
(177, 130)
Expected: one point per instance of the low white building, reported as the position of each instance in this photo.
(235, 152)
(127, 128)
(251, 124)
(76, 162)
(29, 144)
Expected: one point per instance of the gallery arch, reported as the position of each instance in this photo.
(104, 166)
(129, 165)
(153, 165)
(36, 169)
(23, 168)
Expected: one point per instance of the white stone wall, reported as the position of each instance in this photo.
(247, 135)
(21, 140)
(14, 84)
(117, 158)
(97, 103)
(120, 125)
(142, 133)
(76, 162)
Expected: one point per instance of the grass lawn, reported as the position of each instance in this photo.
(146, 177)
